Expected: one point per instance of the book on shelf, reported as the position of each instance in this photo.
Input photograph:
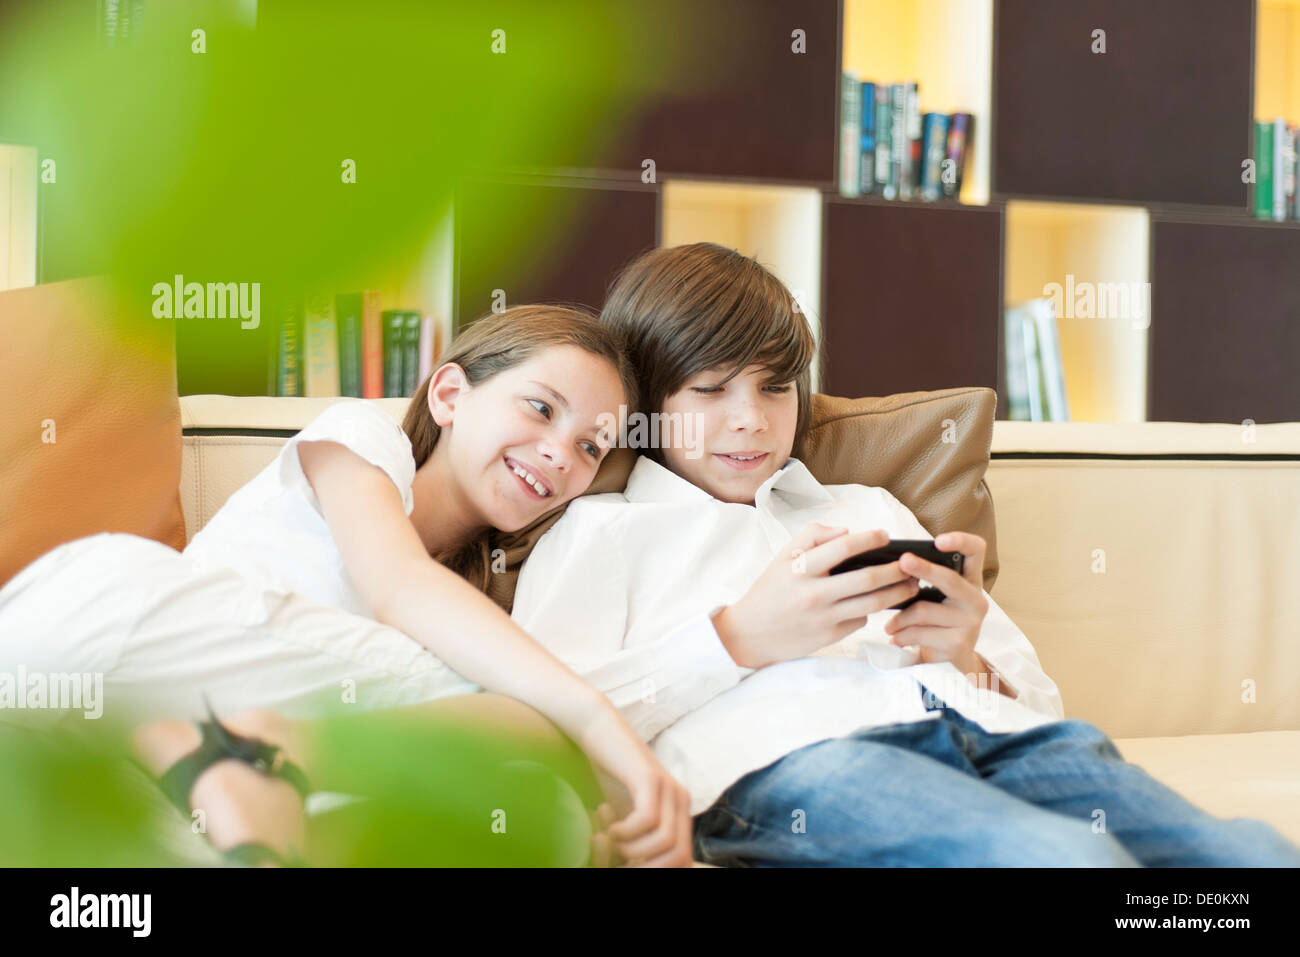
(867, 156)
(1035, 376)
(1284, 168)
(348, 312)
(934, 151)
(372, 346)
(394, 324)
(1263, 170)
(912, 159)
(321, 347)
(1277, 170)
(884, 140)
(287, 313)
(410, 351)
(1294, 210)
(898, 145)
(850, 134)
(961, 128)
(347, 345)
(889, 148)
(428, 348)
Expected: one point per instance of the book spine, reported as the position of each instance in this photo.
(347, 308)
(936, 146)
(321, 355)
(428, 345)
(1263, 170)
(1279, 169)
(850, 134)
(1295, 149)
(372, 347)
(1014, 356)
(394, 323)
(897, 139)
(410, 353)
(913, 141)
(1294, 208)
(883, 138)
(867, 158)
(960, 127)
(1033, 380)
(289, 360)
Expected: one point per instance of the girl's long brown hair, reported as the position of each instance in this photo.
(493, 344)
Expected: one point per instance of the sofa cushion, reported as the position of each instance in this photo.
(91, 425)
(1254, 775)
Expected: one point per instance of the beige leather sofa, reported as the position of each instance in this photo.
(1155, 567)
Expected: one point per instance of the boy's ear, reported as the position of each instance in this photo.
(446, 386)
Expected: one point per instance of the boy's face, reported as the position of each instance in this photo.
(743, 431)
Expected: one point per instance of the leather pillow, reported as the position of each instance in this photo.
(99, 378)
(929, 449)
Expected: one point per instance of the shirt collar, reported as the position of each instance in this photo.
(792, 483)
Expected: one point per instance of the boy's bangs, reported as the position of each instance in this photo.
(780, 343)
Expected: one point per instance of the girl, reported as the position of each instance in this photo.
(304, 591)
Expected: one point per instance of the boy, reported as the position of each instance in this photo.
(810, 724)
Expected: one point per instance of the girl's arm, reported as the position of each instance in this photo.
(405, 588)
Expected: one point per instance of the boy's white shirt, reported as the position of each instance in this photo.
(623, 586)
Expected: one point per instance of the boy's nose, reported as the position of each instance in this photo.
(747, 415)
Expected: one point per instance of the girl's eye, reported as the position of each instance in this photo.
(780, 388)
(707, 389)
(591, 450)
(541, 407)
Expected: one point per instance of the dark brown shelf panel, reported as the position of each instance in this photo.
(1163, 116)
(716, 90)
(1225, 323)
(911, 296)
(547, 241)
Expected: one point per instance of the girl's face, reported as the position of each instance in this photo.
(743, 431)
(527, 439)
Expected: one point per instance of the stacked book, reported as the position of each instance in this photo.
(889, 148)
(1277, 151)
(1035, 376)
(348, 345)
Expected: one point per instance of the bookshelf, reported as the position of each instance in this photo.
(946, 45)
(1108, 168)
(1088, 250)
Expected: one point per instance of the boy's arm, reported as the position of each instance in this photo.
(1001, 645)
(572, 596)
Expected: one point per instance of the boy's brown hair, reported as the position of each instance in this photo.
(685, 309)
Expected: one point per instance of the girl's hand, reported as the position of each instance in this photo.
(648, 823)
(796, 607)
(947, 630)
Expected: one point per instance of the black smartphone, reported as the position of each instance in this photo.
(897, 547)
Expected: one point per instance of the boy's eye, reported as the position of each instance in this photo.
(541, 407)
(592, 450)
(706, 389)
(779, 388)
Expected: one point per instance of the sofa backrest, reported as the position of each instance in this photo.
(1156, 568)
(1149, 563)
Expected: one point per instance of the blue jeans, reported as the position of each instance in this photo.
(947, 793)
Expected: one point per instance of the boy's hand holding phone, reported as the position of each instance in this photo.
(947, 630)
(797, 606)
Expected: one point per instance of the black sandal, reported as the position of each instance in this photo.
(218, 744)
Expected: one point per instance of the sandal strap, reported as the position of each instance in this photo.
(218, 744)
